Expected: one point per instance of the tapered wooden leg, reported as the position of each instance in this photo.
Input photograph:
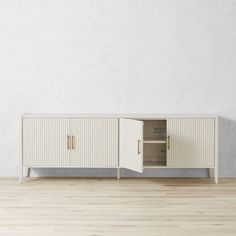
(28, 172)
(21, 175)
(216, 175)
(25, 171)
(213, 173)
(118, 173)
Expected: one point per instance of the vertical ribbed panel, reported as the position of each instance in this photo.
(131, 137)
(191, 142)
(96, 142)
(45, 142)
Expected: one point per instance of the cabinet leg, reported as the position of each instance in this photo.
(216, 175)
(21, 175)
(25, 171)
(213, 173)
(118, 173)
(28, 172)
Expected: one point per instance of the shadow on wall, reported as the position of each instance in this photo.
(227, 161)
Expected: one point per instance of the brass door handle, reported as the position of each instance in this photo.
(68, 142)
(139, 151)
(73, 142)
(168, 142)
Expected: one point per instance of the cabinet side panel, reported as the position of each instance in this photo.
(45, 142)
(191, 142)
(96, 142)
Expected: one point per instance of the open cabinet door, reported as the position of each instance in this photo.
(131, 144)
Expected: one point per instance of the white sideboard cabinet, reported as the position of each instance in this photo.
(116, 141)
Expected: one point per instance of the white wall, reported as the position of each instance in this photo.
(117, 56)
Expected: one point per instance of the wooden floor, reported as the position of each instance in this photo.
(140, 207)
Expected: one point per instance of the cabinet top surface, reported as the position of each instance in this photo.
(116, 115)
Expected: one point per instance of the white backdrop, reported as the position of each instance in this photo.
(113, 56)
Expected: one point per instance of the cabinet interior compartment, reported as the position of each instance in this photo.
(154, 154)
(154, 130)
(154, 143)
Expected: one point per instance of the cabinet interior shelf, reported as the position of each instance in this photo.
(151, 165)
(154, 141)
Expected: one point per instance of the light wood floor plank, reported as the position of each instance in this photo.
(97, 207)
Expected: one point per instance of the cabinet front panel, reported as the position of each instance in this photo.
(191, 142)
(131, 144)
(45, 142)
(95, 142)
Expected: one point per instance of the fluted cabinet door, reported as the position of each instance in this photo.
(95, 142)
(131, 144)
(191, 142)
(45, 142)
